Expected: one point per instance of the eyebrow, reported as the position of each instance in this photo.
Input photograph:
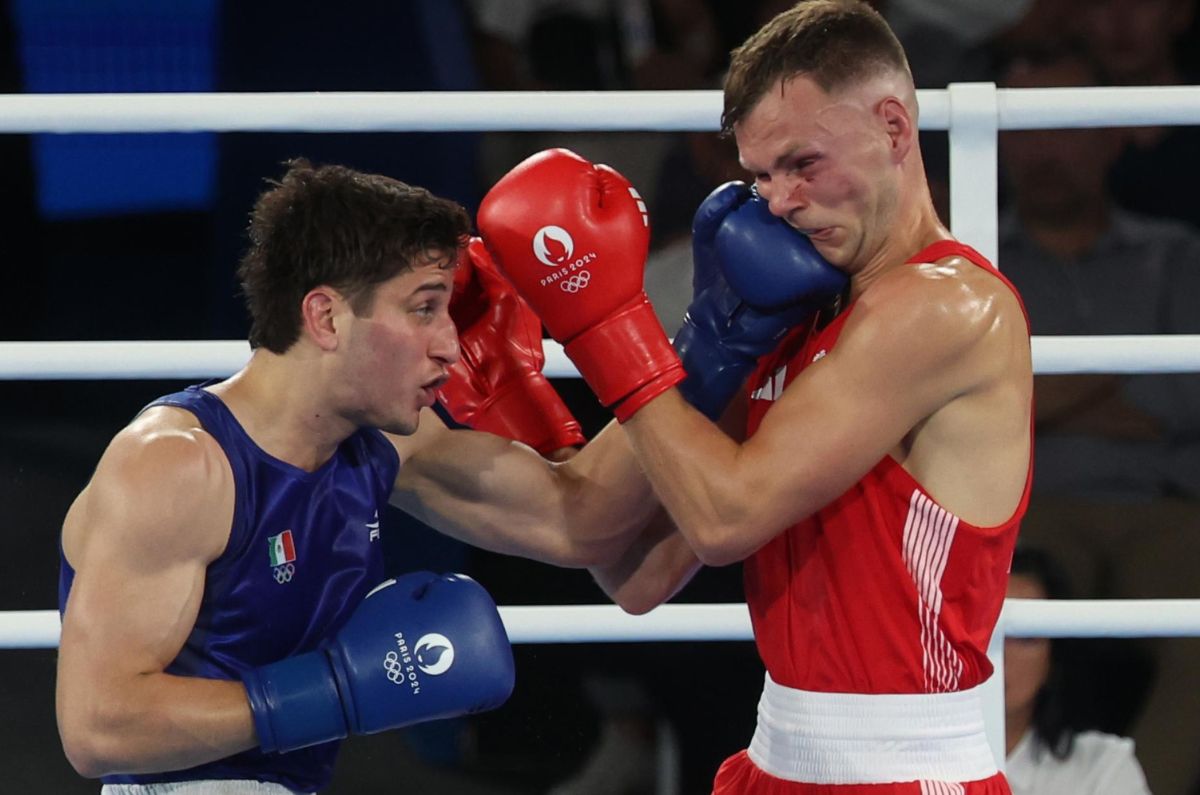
(430, 286)
(792, 153)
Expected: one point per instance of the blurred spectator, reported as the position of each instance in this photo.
(1047, 752)
(1139, 44)
(591, 45)
(944, 38)
(1085, 266)
(1045, 26)
(1136, 44)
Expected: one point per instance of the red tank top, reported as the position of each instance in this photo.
(883, 590)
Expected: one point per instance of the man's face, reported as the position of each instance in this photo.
(822, 162)
(397, 352)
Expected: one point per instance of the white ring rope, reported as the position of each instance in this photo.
(1130, 618)
(1166, 353)
(442, 111)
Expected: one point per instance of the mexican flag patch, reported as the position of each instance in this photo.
(281, 548)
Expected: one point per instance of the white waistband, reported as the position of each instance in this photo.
(852, 738)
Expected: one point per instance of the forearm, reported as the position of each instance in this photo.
(695, 472)
(613, 501)
(151, 723)
(502, 496)
(653, 569)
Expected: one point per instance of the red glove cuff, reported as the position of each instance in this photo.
(647, 392)
(627, 359)
(530, 410)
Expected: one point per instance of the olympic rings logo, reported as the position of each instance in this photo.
(576, 282)
(284, 573)
(395, 671)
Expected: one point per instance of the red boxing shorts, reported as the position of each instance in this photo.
(739, 776)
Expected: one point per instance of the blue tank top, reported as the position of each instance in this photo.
(303, 551)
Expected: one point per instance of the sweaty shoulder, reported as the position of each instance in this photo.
(162, 475)
(949, 304)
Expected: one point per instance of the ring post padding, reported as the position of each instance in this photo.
(973, 152)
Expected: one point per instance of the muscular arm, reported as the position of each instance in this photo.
(915, 343)
(139, 537)
(502, 496)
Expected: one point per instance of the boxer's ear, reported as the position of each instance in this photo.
(899, 126)
(319, 310)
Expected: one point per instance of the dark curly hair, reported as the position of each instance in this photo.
(336, 226)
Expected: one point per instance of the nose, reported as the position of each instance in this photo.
(783, 196)
(445, 344)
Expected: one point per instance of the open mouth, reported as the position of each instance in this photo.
(429, 390)
(429, 395)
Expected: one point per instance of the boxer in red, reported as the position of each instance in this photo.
(873, 470)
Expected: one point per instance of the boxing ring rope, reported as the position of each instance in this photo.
(972, 113)
(112, 360)
(1081, 618)
(466, 111)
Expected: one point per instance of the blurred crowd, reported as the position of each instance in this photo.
(1099, 230)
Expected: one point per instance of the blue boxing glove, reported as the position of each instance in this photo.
(418, 648)
(779, 281)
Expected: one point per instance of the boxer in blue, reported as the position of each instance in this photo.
(219, 622)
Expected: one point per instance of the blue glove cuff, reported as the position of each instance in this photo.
(714, 372)
(295, 703)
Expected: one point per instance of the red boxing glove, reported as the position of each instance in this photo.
(573, 238)
(497, 384)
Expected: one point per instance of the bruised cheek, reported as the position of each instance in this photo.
(839, 191)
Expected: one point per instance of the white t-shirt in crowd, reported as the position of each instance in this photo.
(1099, 764)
